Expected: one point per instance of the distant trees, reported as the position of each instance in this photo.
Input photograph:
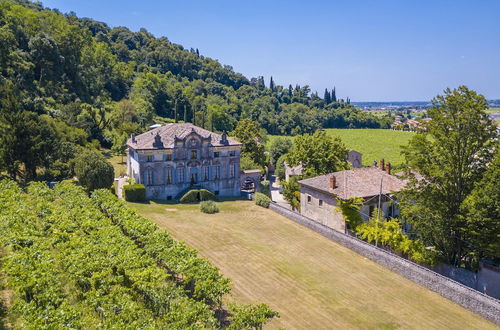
(279, 147)
(452, 158)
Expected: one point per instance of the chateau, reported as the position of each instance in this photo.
(172, 158)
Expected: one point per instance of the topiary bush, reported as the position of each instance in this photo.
(206, 195)
(262, 200)
(134, 193)
(191, 196)
(209, 207)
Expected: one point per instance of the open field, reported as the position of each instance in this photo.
(314, 283)
(372, 143)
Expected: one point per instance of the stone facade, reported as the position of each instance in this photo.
(173, 158)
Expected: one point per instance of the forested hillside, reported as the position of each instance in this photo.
(67, 81)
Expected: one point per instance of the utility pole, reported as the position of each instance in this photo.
(378, 211)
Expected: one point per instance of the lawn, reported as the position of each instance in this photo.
(314, 283)
(372, 143)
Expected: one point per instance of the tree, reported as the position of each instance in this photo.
(93, 170)
(279, 147)
(318, 153)
(482, 214)
(350, 211)
(291, 192)
(27, 141)
(272, 87)
(327, 97)
(248, 133)
(334, 95)
(451, 158)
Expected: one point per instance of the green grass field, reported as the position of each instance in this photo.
(313, 282)
(372, 143)
(119, 163)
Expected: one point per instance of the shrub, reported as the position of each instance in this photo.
(262, 200)
(206, 195)
(113, 189)
(209, 207)
(190, 197)
(264, 187)
(134, 193)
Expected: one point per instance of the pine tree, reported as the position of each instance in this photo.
(334, 95)
(271, 85)
(327, 97)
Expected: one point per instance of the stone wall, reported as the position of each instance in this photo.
(486, 306)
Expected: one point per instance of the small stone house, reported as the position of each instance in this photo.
(172, 158)
(318, 195)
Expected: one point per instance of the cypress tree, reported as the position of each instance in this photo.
(327, 97)
(334, 95)
(271, 84)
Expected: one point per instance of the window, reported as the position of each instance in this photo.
(149, 158)
(194, 154)
(169, 198)
(149, 177)
(320, 202)
(309, 199)
(180, 175)
(168, 157)
(232, 153)
(168, 177)
(217, 172)
(231, 170)
(206, 173)
(216, 154)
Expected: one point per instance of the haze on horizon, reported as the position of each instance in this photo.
(386, 50)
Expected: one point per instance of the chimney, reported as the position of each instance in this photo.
(132, 137)
(388, 168)
(382, 164)
(333, 182)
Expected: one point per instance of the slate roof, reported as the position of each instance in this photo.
(169, 132)
(361, 182)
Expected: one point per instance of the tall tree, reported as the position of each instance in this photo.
(250, 135)
(272, 87)
(327, 97)
(334, 95)
(451, 158)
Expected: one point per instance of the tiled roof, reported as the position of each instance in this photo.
(169, 132)
(361, 182)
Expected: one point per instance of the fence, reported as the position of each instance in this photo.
(486, 306)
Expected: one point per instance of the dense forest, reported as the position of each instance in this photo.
(66, 80)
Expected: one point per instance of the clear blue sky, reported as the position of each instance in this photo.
(371, 50)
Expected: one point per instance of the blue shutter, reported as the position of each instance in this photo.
(145, 178)
(152, 177)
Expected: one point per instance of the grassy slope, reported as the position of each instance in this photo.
(313, 282)
(119, 166)
(372, 143)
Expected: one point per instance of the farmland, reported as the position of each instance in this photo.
(372, 143)
(314, 283)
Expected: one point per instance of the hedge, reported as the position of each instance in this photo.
(190, 197)
(262, 200)
(193, 196)
(134, 193)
